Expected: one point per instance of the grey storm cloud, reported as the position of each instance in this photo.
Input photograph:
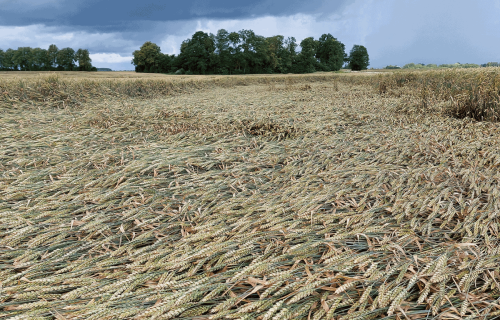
(123, 15)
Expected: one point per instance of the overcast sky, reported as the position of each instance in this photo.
(394, 31)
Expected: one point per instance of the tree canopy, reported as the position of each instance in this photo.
(82, 56)
(196, 53)
(243, 52)
(66, 59)
(358, 58)
(147, 58)
(51, 59)
(331, 52)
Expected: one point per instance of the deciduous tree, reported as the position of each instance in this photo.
(52, 51)
(82, 56)
(23, 57)
(2, 58)
(358, 58)
(9, 59)
(40, 59)
(165, 63)
(236, 54)
(306, 60)
(196, 52)
(147, 57)
(274, 53)
(331, 52)
(222, 62)
(66, 59)
(253, 51)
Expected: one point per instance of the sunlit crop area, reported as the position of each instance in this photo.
(322, 196)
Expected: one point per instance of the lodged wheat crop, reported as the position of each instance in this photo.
(335, 197)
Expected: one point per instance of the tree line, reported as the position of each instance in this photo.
(245, 52)
(433, 66)
(51, 59)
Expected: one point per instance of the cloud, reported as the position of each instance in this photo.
(23, 6)
(112, 60)
(109, 58)
(120, 15)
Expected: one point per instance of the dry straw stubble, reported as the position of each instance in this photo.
(181, 206)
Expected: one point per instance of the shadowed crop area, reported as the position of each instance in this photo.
(330, 196)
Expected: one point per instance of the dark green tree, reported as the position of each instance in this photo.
(237, 58)
(40, 59)
(306, 61)
(281, 54)
(288, 55)
(147, 57)
(245, 49)
(331, 52)
(23, 57)
(253, 55)
(82, 56)
(177, 63)
(259, 60)
(165, 63)
(274, 53)
(66, 59)
(2, 58)
(358, 58)
(196, 52)
(52, 51)
(9, 59)
(222, 62)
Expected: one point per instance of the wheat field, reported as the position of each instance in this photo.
(323, 196)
